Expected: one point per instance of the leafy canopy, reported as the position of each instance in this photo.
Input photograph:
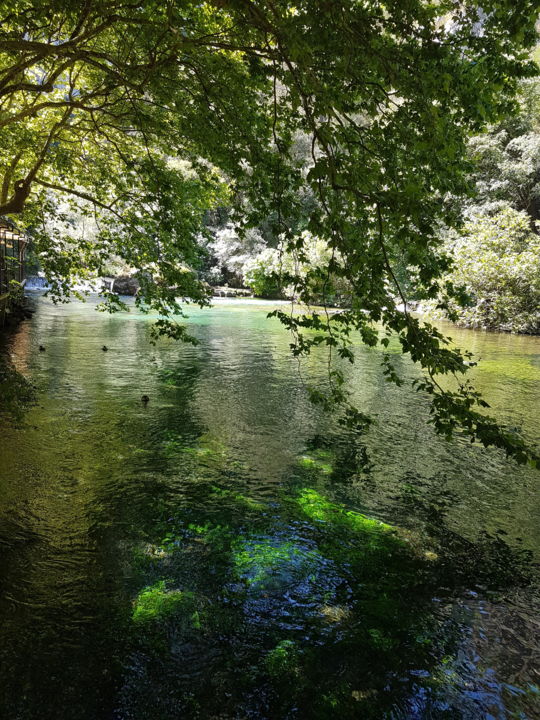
(100, 101)
(496, 254)
(497, 259)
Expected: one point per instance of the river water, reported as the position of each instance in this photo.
(226, 550)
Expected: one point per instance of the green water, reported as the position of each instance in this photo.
(227, 551)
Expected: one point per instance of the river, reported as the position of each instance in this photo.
(227, 550)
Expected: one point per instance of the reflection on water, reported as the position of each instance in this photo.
(225, 551)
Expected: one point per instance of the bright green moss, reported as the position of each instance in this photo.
(215, 536)
(239, 499)
(310, 463)
(155, 602)
(269, 565)
(316, 507)
(323, 453)
(281, 661)
(170, 542)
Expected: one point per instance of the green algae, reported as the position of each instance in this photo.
(381, 640)
(309, 463)
(156, 602)
(336, 595)
(269, 564)
(289, 557)
(205, 448)
(318, 508)
(282, 660)
(519, 368)
(216, 536)
(239, 498)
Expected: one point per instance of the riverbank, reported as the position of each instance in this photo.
(17, 392)
(14, 308)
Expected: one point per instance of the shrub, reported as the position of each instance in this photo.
(497, 259)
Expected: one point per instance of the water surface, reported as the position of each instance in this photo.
(228, 551)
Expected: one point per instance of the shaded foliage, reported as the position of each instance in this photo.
(495, 254)
(497, 260)
(125, 112)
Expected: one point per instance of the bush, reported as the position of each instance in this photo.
(497, 259)
(262, 274)
(283, 273)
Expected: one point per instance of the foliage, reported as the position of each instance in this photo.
(276, 272)
(127, 110)
(497, 259)
(506, 159)
(262, 274)
(229, 251)
(495, 255)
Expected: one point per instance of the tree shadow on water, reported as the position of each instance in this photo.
(297, 608)
(16, 392)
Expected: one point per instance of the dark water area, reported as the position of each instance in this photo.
(226, 550)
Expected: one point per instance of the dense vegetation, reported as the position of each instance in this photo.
(497, 260)
(497, 253)
(137, 120)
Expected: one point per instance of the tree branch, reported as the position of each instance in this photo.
(22, 187)
(80, 194)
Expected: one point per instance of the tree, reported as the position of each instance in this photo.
(497, 259)
(229, 251)
(97, 100)
(268, 273)
(506, 159)
(495, 256)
